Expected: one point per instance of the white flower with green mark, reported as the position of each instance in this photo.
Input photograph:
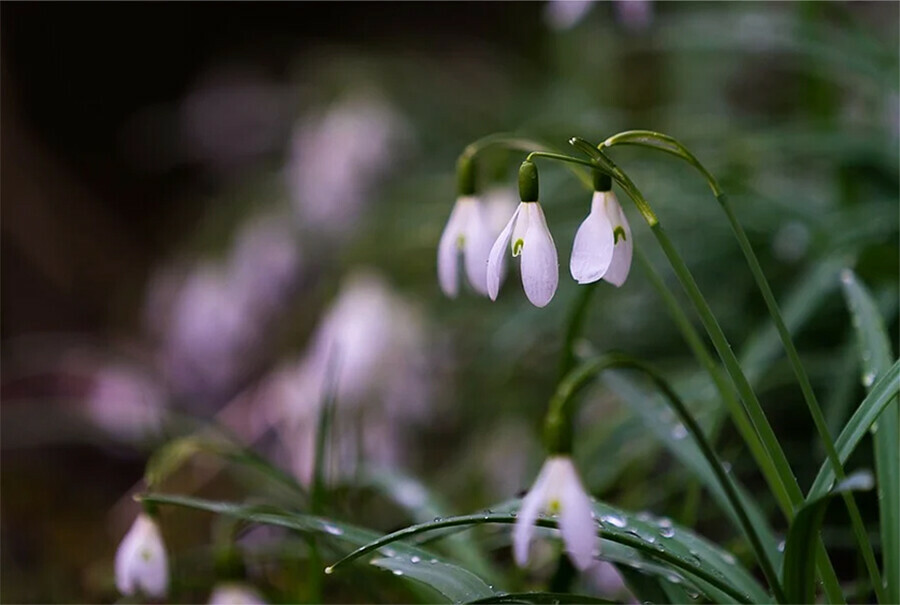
(526, 234)
(558, 491)
(603, 245)
(142, 566)
(466, 234)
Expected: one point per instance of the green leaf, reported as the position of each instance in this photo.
(679, 551)
(651, 588)
(457, 584)
(541, 598)
(883, 392)
(875, 356)
(799, 567)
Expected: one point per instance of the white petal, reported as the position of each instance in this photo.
(448, 250)
(576, 521)
(235, 594)
(540, 267)
(141, 564)
(624, 248)
(532, 505)
(497, 256)
(477, 247)
(592, 251)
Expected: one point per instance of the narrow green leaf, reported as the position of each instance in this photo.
(799, 567)
(875, 356)
(883, 392)
(455, 583)
(678, 549)
(541, 598)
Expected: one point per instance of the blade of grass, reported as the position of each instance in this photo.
(876, 355)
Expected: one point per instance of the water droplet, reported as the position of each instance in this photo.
(329, 570)
(868, 379)
(874, 428)
(397, 572)
(666, 531)
(414, 559)
(694, 595)
(433, 561)
(726, 466)
(437, 519)
(614, 520)
(729, 558)
(331, 529)
(781, 546)
(674, 578)
(388, 552)
(679, 431)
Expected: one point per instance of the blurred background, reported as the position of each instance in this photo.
(202, 202)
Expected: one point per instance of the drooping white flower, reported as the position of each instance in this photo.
(527, 234)
(235, 593)
(142, 566)
(558, 490)
(566, 14)
(466, 233)
(603, 246)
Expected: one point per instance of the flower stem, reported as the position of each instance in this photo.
(668, 144)
(586, 372)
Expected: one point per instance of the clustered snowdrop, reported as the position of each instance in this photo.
(142, 566)
(558, 491)
(602, 250)
(603, 246)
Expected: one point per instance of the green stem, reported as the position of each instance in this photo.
(809, 396)
(560, 158)
(560, 410)
(726, 391)
(574, 325)
(668, 144)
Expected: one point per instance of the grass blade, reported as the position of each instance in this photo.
(799, 568)
(875, 356)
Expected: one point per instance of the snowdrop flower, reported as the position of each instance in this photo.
(467, 234)
(558, 490)
(566, 14)
(234, 593)
(603, 245)
(141, 562)
(527, 234)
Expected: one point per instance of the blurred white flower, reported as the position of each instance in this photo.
(558, 491)
(527, 234)
(635, 15)
(466, 234)
(603, 247)
(232, 115)
(125, 403)
(373, 340)
(142, 567)
(565, 14)
(212, 317)
(235, 593)
(499, 204)
(337, 157)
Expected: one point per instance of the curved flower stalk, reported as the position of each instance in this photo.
(142, 566)
(558, 490)
(527, 234)
(603, 246)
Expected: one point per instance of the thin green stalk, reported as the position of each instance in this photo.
(578, 378)
(809, 396)
(698, 348)
(574, 325)
(665, 143)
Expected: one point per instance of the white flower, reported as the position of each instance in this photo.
(466, 233)
(558, 490)
(141, 562)
(603, 244)
(527, 234)
(234, 593)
